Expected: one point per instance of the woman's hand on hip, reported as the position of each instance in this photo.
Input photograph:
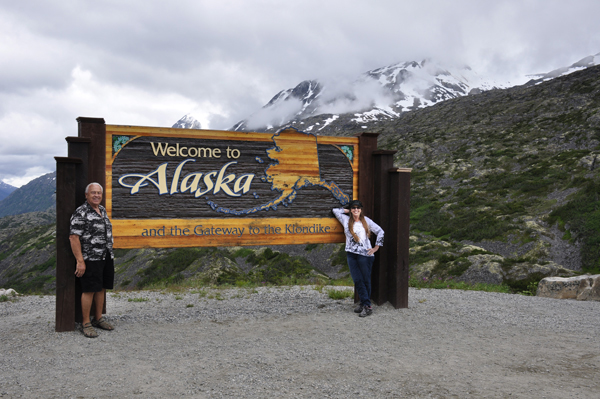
(373, 250)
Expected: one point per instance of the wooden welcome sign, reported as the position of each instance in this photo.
(178, 188)
(168, 188)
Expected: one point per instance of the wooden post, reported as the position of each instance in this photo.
(367, 143)
(66, 178)
(95, 130)
(383, 160)
(78, 147)
(399, 226)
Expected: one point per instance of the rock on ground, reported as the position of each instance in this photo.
(582, 288)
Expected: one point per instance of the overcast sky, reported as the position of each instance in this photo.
(146, 62)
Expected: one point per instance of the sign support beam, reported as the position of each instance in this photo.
(384, 201)
(66, 297)
(94, 129)
(399, 225)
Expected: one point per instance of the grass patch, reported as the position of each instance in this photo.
(342, 282)
(439, 283)
(7, 298)
(137, 299)
(340, 294)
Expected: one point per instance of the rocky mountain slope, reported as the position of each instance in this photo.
(28, 252)
(37, 195)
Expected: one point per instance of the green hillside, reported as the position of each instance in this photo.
(514, 171)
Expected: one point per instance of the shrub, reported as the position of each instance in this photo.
(168, 268)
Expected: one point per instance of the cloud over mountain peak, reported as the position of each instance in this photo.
(383, 92)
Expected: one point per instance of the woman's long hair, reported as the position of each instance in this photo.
(361, 218)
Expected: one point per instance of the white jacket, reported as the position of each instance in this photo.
(364, 245)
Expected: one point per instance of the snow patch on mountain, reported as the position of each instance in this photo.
(583, 63)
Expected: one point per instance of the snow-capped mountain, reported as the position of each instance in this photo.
(381, 93)
(187, 122)
(579, 65)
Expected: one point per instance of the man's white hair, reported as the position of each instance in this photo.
(87, 188)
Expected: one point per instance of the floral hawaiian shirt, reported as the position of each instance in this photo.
(94, 231)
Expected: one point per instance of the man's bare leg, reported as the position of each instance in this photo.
(99, 301)
(86, 305)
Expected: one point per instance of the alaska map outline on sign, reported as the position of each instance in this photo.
(296, 166)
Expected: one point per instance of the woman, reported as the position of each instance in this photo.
(359, 252)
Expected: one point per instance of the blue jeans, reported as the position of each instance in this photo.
(360, 270)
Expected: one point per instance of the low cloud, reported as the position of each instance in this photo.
(275, 115)
(344, 97)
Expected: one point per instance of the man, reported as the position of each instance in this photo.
(92, 244)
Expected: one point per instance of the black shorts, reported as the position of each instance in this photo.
(99, 275)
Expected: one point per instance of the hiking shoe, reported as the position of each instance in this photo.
(367, 311)
(359, 308)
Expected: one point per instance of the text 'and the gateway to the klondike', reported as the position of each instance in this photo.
(201, 230)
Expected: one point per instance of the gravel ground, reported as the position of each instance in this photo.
(296, 342)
